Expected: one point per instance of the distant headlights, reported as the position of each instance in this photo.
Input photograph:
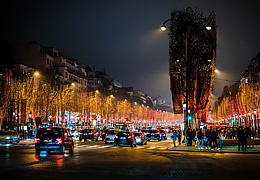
(8, 137)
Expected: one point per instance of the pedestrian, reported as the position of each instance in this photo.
(241, 137)
(174, 137)
(179, 136)
(209, 138)
(214, 139)
(220, 138)
(200, 136)
(189, 137)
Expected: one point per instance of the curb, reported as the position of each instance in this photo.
(215, 151)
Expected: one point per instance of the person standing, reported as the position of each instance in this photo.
(241, 137)
(200, 136)
(220, 137)
(179, 136)
(214, 139)
(174, 137)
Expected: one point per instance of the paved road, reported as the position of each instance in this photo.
(97, 160)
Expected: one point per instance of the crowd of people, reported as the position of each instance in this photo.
(211, 138)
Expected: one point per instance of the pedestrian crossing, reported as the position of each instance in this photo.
(101, 146)
(116, 147)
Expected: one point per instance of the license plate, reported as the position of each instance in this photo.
(152, 133)
(122, 138)
(85, 133)
(47, 140)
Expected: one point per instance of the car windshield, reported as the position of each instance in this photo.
(137, 134)
(111, 132)
(153, 131)
(86, 130)
(124, 134)
(49, 132)
(6, 133)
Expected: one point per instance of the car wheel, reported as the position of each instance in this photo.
(72, 149)
(18, 141)
(62, 150)
(37, 151)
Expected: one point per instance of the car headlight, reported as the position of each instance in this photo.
(8, 137)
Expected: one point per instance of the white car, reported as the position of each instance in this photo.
(9, 136)
(110, 136)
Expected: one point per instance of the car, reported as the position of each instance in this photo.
(9, 136)
(74, 133)
(153, 135)
(140, 138)
(163, 134)
(145, 131)
(110, 135)
(126, 138)
(90, 134)
(53, 139)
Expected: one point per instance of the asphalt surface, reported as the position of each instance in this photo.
(156, 160)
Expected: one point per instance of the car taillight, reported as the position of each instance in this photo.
(129, 137)
(37, 140)
(116, 137)
(59, 141)
(90, 133)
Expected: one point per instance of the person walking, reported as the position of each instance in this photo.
(179, 136)
(174, 137)
(200, 136)
(241, 137)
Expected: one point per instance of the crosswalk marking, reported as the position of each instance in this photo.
(85, 146)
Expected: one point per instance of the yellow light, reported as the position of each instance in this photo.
(208, 28)
(163, 27)
(73, 84)
(216, 70)
(97, 91)
(36, 74)
(111, 96)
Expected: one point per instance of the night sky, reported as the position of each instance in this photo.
(123, 36)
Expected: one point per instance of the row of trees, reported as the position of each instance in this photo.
(25, 96)
(237, 101)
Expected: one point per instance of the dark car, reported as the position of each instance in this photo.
(145, 131)
(126, 138)
(91, 134)
(153, 135)
(53, 139)
(163, 134)
(140, 138)
(110, 135)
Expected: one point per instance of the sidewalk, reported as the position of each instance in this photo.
(225, 149)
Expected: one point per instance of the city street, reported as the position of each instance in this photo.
(97, 160)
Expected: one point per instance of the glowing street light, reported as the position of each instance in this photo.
(208, 28)
(163, 27)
